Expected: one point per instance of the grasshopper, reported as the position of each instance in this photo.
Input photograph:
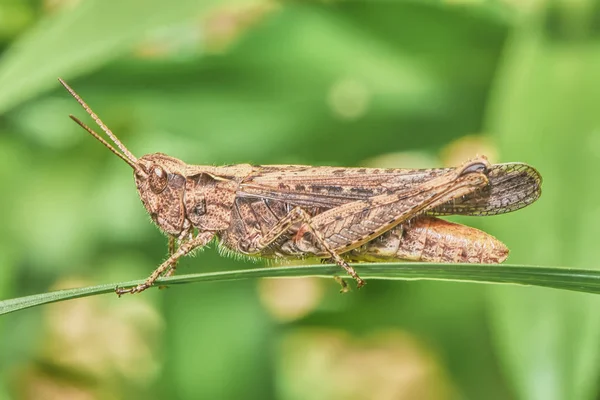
(332, 213)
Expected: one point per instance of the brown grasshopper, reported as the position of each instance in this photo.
(332, 213)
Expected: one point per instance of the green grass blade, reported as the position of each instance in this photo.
(581, 280)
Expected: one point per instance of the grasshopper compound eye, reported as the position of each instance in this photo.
(157, 179)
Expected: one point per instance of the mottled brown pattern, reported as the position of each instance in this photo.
(284, 211)
(350, 225)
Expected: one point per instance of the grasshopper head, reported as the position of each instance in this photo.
(160, 182)
(160, 179)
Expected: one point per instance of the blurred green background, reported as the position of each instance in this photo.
(349, 83)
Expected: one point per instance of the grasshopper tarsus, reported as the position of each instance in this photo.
(344, 286)
(121, 291)
(360, 283)
(349, 270)
(132, 290)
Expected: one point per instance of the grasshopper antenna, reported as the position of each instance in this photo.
(126, 155)
(104, 142)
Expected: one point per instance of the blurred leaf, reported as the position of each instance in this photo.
(80, 39)
(15, 15)
(337, 77)
(580, 280)
(217, 331)
(546, 113)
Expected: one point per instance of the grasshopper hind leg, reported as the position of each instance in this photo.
(343, 284)
(299, 216)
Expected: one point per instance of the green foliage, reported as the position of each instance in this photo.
(336, 83)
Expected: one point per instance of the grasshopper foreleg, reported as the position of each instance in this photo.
(172, 246)
(202, 239)
(174, 242)
(299, 216)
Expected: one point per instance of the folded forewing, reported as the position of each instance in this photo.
(511, 186)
